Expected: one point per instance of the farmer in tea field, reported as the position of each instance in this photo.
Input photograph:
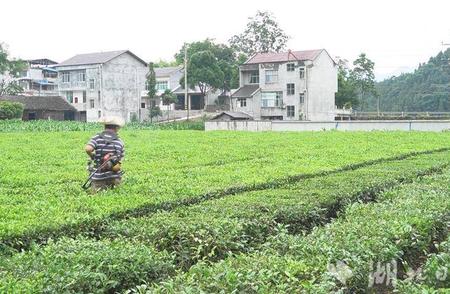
(107, 150)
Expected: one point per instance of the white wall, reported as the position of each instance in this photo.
(92, 72)
(35, 74)
(422, 125)
(322, 86)
(123, 79)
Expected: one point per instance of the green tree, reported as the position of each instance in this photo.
(262, 34)
(425, 89)
(10, 110)
(168, 98)
(364, 79)
(151, 87)
(205, 72)
(210, 65)
(155, 112)
(347, 95)
(151, 81)
(9, 69)
(165, 63)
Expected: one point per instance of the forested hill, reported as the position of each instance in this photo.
(426, 89)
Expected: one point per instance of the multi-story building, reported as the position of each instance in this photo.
(295, 85)
(40, 78)
(104, 83)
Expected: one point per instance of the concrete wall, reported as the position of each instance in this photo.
(321, 89)
(238, 125)
(123, 79)
(417, 125)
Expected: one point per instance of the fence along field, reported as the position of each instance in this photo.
(172, 170)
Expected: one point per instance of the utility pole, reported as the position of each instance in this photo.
(186, 99)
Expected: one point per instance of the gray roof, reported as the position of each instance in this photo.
(96, 58)
(166, 71)
(41, 102)
(236, 115)
(284, 56)
(245, 91)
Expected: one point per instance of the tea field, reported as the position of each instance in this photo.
(209, 212)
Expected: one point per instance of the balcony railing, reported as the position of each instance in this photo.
(272, 111)
(35, 92)
(73, 85)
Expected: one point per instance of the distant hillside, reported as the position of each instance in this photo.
(426, 89)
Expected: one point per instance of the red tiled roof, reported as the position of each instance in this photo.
(284, 56)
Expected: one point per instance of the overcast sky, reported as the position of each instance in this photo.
(396, 34)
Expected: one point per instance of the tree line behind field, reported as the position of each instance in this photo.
(425, 89)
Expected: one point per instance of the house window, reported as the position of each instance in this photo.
(84, 96)
(162, 85)
(99, 114)
(69, 96)
(65, 77)
(99, 96)
(92, 84)
(271, 76)
(290, 89)
(272, 99)
(302, 72)
(302, 98)
(92, 103)
(290, 111)
(242, 102)
(76, 100)
(143, 105)
(290, 67)
(254, 77)
(81, 76)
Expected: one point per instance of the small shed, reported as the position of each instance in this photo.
(228, 115)
(44, 107)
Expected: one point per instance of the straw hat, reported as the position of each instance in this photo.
(112, 120)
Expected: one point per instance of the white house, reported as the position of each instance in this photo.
(169, 78)
(40, 78)
(104, 83)
(293, 85)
